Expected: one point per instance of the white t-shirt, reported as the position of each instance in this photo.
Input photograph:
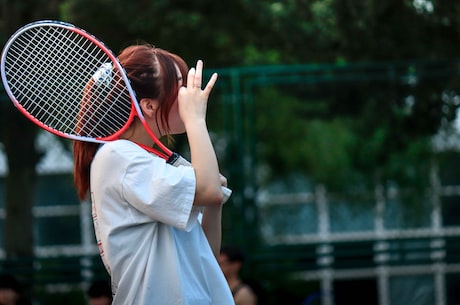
(148, 232)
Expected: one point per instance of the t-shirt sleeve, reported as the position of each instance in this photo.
(161, 191)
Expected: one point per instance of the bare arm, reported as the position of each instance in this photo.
(192, 108)
(211, 223)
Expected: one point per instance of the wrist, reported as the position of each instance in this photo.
(196, 124)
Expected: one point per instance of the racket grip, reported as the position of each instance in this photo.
(177, 160)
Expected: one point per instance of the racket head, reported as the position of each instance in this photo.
(67, 82)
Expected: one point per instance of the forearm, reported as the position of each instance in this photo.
(212, 227)
(204, 161)
(192, 102)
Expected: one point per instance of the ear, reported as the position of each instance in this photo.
(149, 106)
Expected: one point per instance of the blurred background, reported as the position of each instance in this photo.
(335, 122)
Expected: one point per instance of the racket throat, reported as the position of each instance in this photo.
(173, 158)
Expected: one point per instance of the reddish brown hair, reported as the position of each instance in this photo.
(153, 74)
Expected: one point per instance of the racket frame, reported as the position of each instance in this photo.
(135, 110)
(171, 157)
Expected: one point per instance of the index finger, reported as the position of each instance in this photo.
(210, 84)
(198, 74)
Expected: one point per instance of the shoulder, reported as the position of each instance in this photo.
(114, 158)
(245, 295)
(121, 147)
(122, 151)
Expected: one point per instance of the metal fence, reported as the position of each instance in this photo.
(308, 246)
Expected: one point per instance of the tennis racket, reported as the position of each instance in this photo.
(45, 68)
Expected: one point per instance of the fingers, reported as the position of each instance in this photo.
(195, 77)
(210, 84)
(223, 180)
(191, 78)
(198, 74)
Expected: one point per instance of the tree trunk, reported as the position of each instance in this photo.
(19, 139)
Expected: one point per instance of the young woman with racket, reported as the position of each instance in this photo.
(158, 226)
(157, 220)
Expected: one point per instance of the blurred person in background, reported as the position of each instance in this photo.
(11, 291)
(99, 293)
(231, 261)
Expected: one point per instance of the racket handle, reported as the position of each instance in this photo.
(177, 160)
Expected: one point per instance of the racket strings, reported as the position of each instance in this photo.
(49, 69)
(102, 105)
(48, 83)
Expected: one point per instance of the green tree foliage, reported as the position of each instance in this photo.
(364, 127)
(322, 148)
(215, 30)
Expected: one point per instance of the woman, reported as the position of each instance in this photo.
(158, 226)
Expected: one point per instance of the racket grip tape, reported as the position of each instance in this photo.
(177, 160)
